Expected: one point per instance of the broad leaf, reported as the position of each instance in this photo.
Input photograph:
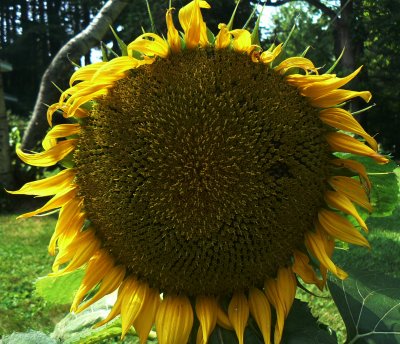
(370, 307)
(59, 290)
(301, 327)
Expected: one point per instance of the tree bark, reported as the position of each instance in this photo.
(61, 66)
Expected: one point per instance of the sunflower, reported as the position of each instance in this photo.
(202, 180)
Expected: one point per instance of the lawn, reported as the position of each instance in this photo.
(24, 258)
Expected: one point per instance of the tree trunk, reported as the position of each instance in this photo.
(61, 66)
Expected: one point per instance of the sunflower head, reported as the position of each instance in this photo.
(204, 169)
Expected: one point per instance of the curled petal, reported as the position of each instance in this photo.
(269, 56)
(154, 47)
(295, 62)
(85, 73)
(223, 39)
(193, 25)
(59, 131)
(174, 40)
(49, 157)
(302, 267)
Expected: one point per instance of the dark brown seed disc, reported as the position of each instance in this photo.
(202, 172)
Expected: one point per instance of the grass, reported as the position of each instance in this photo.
(23, 258)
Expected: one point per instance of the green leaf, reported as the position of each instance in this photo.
(59, 290)
(369, 304)
(301, 327)
(385, 188)
(121, 44)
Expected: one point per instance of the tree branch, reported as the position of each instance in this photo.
(60, 67)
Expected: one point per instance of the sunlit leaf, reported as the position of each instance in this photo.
(59, 290)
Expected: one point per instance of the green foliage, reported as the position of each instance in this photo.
(370, 307)
(312, 29)
(59, 290)
(24, 257)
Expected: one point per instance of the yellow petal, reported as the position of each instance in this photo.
(269, 56)
(295, 62)
(280, 293)
(144, 321)
(301, 81)
(78, 252)
(223, 39)
(341, 228)
(336, 97)
(61, 130)
(135, 294)
(241, 40)
(48, 186)
(238, 313)
(223, 320)
(116, 309)
(174, 320)
(69, 224)
(302, 267)
(261, 312)
(318, 89)
(154, 47)
(56, 202)
(341, 202)
(49, 157)
(343, 120)
(354, 166)
(353, 189)
(174, 40)
(85, 73)
(109, 284)
(194, 27)
(316, 246)
(100, 268)
(206, 311)
(344, 143)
